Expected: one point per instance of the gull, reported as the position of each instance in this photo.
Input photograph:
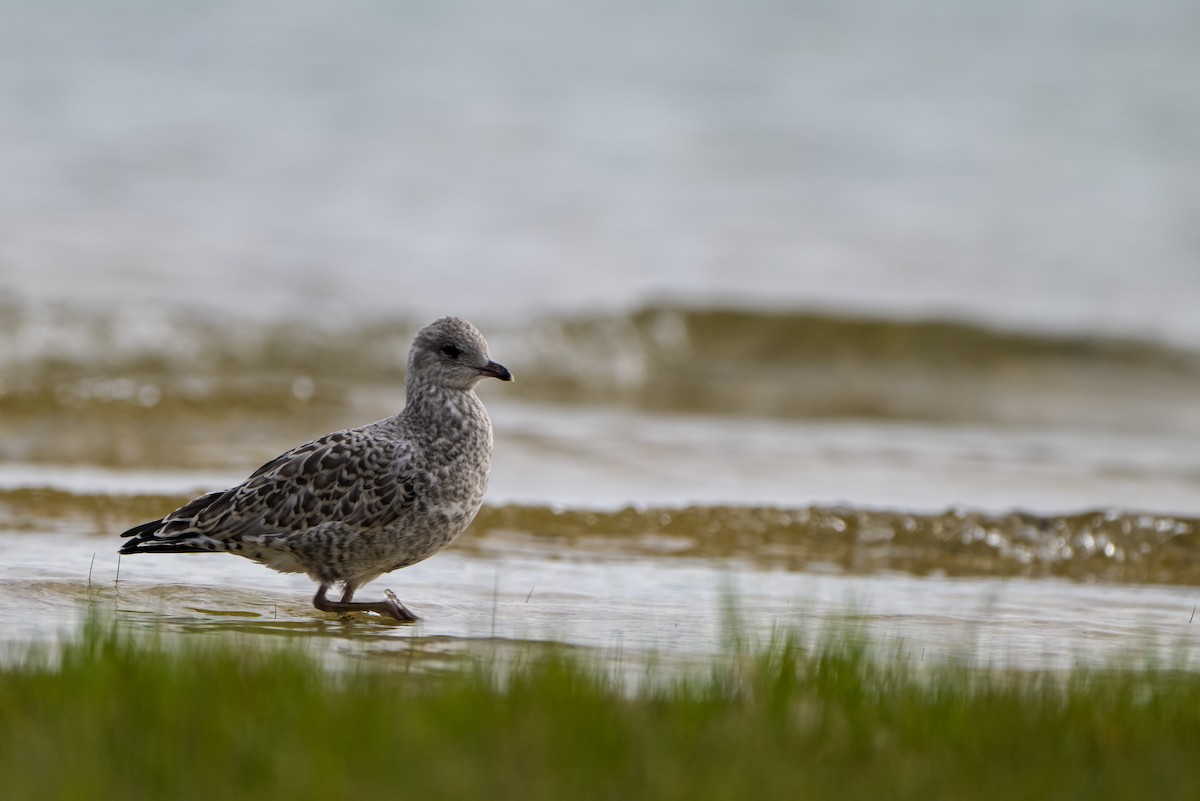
(355, 504)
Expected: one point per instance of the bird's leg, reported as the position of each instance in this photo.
(390, 608)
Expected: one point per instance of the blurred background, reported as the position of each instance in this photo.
(908, 254)
(879, 309)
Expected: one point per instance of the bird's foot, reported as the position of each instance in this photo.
(391, 608)
(396, 609)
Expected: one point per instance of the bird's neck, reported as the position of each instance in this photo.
(448, 413)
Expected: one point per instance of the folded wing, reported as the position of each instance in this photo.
(345, 477)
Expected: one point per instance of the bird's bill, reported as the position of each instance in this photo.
(496, 371)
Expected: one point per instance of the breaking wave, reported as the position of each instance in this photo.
(721, 361)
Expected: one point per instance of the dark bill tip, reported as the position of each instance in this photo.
(496, 371)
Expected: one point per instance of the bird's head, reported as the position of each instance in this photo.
(451, 353)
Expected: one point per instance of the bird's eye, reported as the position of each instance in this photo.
(451, 351)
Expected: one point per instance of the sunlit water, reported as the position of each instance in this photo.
(916, 256)
(667, 608)
(617, 593)
(581, 457)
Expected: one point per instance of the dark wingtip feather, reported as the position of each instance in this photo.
(143, 529)
(160, 546)
(141, 535)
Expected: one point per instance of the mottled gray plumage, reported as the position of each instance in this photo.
(353, 505)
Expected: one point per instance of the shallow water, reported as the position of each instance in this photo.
(666, 607)
(605, 457)
(629, 523)
(884, 314)
(678, 585)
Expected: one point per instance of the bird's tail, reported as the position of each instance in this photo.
(171, 534)
(165, 546)
(146, 539)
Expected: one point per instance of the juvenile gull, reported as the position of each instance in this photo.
(353, 505)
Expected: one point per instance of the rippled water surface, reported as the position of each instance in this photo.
(878, 316)
(678, 584)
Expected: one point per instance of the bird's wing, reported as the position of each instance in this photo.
(349, 477)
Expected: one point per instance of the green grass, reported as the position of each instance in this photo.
(113, 716)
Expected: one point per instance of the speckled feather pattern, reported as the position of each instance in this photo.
(355, 504)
